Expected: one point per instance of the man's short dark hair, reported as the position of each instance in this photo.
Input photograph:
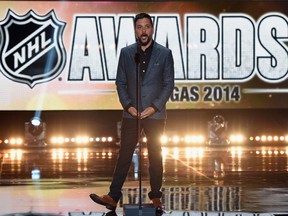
(141, 16)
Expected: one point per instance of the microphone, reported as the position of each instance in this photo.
(137, 54)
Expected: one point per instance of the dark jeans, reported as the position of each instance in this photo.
(153, 130)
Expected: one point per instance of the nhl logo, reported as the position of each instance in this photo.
(31, 47)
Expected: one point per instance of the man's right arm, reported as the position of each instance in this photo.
(121, 82)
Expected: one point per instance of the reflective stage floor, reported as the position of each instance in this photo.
(59, 180)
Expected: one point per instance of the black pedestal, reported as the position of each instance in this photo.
(133, 210)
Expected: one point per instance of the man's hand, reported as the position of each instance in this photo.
(132, 111)
(147, 112)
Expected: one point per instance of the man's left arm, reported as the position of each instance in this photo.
(167, 84)
(167, 88)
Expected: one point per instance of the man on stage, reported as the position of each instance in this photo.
(156, 68)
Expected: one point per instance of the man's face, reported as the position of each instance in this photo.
(144, 31)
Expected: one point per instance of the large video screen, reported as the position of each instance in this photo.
(62, 55)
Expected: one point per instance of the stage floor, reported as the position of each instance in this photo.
(59, 180)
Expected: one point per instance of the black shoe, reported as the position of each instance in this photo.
(159, 211)
(111, 213)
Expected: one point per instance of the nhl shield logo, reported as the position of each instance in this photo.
(31, 47)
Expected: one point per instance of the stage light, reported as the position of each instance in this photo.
(238, 138)
(35, 132)
(36, 121)
(35, 174)
(188, 139)
(263, 138)
(217, 131)
(176, 139)
(164, 139)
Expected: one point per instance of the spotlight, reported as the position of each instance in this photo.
(35, 132)
(217, 131)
